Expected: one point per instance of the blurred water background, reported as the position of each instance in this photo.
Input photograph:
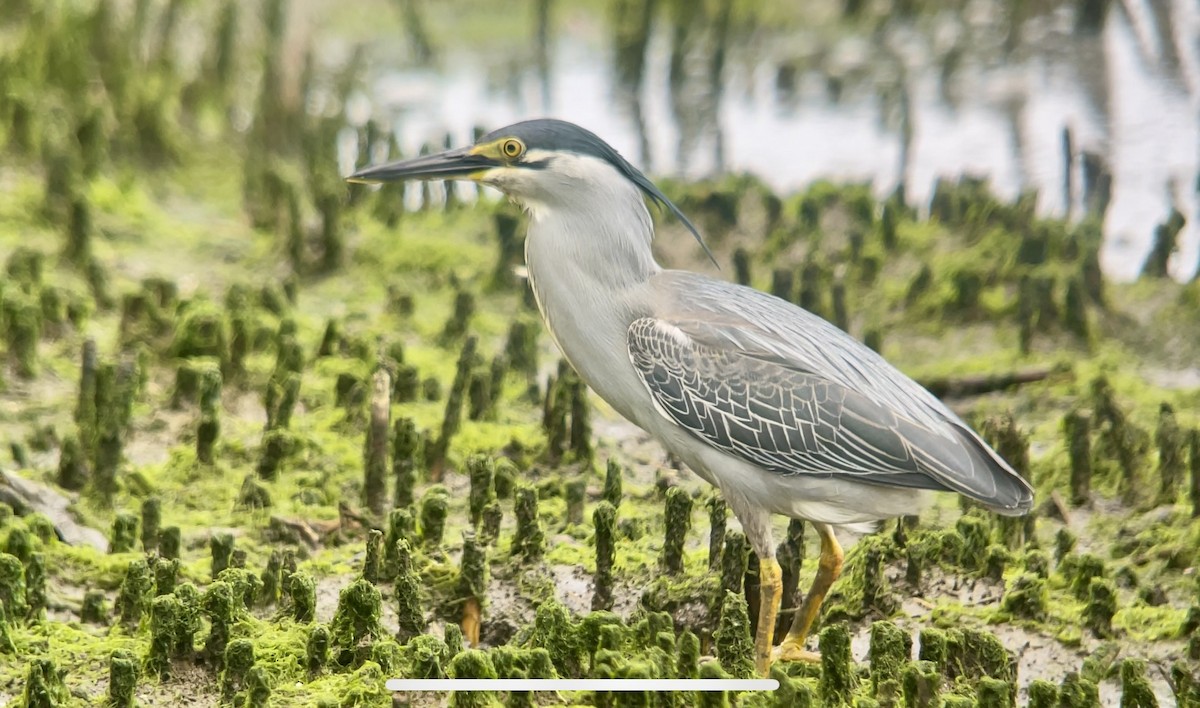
(1092, 104)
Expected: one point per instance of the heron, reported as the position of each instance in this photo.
(781, 411)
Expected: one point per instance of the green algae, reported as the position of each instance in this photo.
(921, 684)
(604, 519)
(890, 651)
(864, 589)
(528, 542)
(472, 664)
(838, 681)
(1027, 597)
(323, 465)
(735, 649)
(123, 676)
(554, 630)
(675, 529)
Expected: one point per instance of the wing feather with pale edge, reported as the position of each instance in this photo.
(790, 420)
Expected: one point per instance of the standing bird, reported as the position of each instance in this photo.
(780, 410)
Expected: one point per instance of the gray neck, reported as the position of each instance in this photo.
(595, 223)
(582, 266)
(589, 260)
(608, 252)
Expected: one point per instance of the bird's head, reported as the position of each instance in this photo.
(543, 163)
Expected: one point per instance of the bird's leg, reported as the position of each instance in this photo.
(828, 570)
(756, 524)
(770, 589)
(470, 622)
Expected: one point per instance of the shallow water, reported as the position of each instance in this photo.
(875, 101)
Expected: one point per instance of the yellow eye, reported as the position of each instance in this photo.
(512, 148)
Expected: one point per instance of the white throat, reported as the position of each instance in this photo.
(588, 253)
(588, 220)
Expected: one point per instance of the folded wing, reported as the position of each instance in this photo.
(789, 417)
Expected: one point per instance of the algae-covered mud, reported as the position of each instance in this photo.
(271, 439)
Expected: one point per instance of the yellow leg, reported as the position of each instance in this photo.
(828, 570)
(470, 622)
(770, 589)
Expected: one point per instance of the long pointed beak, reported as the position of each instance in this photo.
(452, 164)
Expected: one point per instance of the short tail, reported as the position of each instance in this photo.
(1012, 495)
(848, 534)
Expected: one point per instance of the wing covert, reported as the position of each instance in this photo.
(790, 420)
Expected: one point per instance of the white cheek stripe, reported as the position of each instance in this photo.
(535, 155)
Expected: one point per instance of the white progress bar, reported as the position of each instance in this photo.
(614, 685)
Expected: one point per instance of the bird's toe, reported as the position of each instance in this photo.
(789, 651)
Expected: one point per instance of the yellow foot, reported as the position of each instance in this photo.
(762, 665)
(470, 622)
(771, 586)
(790, 651)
